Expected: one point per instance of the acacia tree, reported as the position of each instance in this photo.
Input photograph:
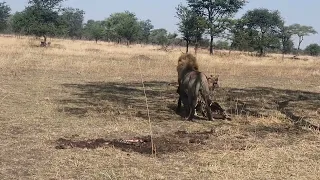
(41, 18)
(263, 27)
(191, 26)
(4, 15)
(301, 31)
(215, 13)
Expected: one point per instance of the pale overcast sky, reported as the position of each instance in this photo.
(162, 12)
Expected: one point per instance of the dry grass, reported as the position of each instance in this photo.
(82, 90)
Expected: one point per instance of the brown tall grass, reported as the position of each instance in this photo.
(80, 90)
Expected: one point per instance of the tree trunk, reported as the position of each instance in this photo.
(45, 39)
(261, 51)
(300, 41)
(187, 48)
(211, 45)
(196, 48)
(96, 39)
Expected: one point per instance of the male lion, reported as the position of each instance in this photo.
(213, 83)
(186, 62)
(192, 84)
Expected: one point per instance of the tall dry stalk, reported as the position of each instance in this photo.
(153, 152)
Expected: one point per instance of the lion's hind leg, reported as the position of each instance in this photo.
(207, 101)
(192, 106)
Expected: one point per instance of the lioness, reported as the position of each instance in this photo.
(213, 84)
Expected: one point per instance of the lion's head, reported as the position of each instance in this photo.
(187, 62)
(213, 82)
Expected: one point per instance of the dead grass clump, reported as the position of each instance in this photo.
(94, 50)
(58, 46)
(33, 43)
(141, 57)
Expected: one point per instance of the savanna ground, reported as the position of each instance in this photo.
(62, 106)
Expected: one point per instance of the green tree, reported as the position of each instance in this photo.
(171, 38)
(215, 12)
(72, 19)
(191, 26)
(301, 31)
(287, 46)
(159, 36)
(162, 37)
(286, 42)
(239, 36)
(263, 27)
(204, 43)
(222, 45)
(4, 15)
(17, 23)
(110, 33)
(145, 30)
(41, 18)
(94, 30)
(125, 24)
(312, 49)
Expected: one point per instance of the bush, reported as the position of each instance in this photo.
(312, 49)
(221, 45)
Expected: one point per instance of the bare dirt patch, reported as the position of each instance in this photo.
(180, 141)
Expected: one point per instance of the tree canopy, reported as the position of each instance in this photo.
(145, 30)
(206, 23)
(41, 18)
(72, 20)
(191, 25)
(313, 50)
(4, 15)
(94, 30)
(263, 27)
(125, 25)
(216, 14)
(301, 31)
